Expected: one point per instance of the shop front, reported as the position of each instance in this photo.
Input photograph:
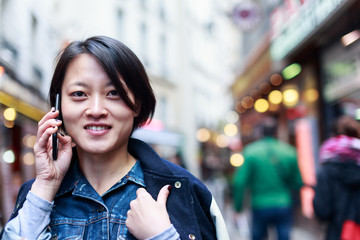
(20, 110)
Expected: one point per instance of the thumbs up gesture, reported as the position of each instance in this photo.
(147, 217)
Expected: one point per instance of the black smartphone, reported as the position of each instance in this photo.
(55, 141)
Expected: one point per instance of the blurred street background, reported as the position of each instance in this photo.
(218, 67)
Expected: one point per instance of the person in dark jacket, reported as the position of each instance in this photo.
(104, 184)
(337, 192)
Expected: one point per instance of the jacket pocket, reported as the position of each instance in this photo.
(122, 231)
(67, 229)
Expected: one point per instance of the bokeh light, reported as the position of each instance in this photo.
(10, 114)
(265, 88)
(9, 156)
(222, 141)
(275, 97)
(232, 117)
(291, 71)
(247, 102)
(29, 140)
(237, 160)
(276, 79)
(291, 97)
(9, 124)
(311, 95)
(203, 135)
(29, 159)
(230, 129)
(261, 105)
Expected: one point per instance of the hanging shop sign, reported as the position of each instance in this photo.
(247, 15)
(291, 28)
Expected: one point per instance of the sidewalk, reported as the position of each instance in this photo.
(304, 229)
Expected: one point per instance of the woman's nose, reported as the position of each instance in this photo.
(96, 107)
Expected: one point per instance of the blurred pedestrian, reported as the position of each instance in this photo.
(105, 185)
(337, 192)
(270, 171)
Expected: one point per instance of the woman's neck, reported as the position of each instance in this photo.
(104, 170)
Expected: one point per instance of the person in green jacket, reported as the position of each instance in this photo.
(271, 173)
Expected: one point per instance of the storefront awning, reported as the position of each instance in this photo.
(258, 68)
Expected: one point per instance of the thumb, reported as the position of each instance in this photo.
(163, 194)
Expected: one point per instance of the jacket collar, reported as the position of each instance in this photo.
(149, 160)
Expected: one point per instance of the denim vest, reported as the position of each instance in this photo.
(95, 217)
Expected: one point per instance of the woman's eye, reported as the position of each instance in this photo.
(114, 93)
(78, 94)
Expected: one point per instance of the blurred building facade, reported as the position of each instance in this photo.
(25, 66)
(302, 66)
(189, 55)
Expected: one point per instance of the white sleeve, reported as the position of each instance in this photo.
(221, 230)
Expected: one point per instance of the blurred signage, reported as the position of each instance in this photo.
(246, 15)
(21, 106)
(292, 23)
(342, 71)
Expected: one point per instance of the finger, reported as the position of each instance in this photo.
(49, 115)
(45, 137)
(65, 143)
(47, 124)
(163, 194)
(64, 140)
(141, 191)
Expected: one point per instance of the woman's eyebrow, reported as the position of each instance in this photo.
(109, 84)
(79, 83)
(84, 84)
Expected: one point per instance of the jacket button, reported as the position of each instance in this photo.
(192, 236)
(178, 184)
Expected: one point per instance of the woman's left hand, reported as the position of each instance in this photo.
(147, 217)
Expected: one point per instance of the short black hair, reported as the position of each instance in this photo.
(117, 61)
(269, 127)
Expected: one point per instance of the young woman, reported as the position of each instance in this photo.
(105, 185)
(337, 192)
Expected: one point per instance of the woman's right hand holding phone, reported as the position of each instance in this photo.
(49, 172)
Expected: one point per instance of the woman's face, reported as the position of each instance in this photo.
(94, 114)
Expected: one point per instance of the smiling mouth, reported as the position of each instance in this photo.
(97, 128)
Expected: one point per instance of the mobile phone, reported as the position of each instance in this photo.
(55, 141)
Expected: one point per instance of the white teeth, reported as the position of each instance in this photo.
(96, 128)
